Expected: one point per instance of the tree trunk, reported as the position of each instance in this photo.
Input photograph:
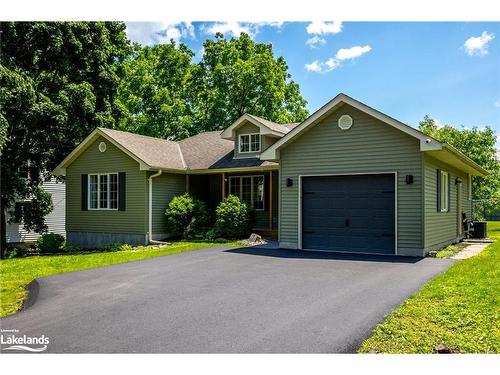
(3, 234)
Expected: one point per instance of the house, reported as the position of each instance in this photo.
(14, 230)
(349, 178)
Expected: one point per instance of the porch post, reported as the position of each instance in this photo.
(223, 185)
(271, 200)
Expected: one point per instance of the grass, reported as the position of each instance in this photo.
(459, 309)
(449, 251)
(16, 274)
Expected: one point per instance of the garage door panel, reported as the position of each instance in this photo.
(349, 213)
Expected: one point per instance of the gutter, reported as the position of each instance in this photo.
(150, 210)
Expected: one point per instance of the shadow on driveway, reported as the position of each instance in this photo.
(323, 255)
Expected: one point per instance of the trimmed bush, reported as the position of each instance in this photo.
(186, 215)
(50, 243)
(233, 219)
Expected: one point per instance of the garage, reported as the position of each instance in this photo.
(349, 213)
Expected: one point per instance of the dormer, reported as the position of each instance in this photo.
(253, 135)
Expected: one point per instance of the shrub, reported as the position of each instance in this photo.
(233, 219)
(72, 249)
(50, 243)
(111, 246)
(186, 215)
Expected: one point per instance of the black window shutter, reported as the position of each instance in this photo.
(121, 191)
(84, 192)
(438, 184)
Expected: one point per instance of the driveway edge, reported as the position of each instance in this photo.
(32, 290)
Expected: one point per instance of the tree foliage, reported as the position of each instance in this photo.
(477, 144)
(154, 91)
(166, 94)
(239, 75)
(58, 82)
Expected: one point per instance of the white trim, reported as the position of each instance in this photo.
(426, 143)
(98, 208)
(249, 135)
(252, 176)
(150, 205)
(229, 132)
(60, 170)
(395, 173)
(446, 193)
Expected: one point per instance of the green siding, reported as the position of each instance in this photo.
(131, 221)
(441, 228)
(165, 187)
(370, 146)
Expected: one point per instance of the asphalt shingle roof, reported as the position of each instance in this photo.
(203, 151)
(156, 152)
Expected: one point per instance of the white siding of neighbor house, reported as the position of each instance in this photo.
(55, 220)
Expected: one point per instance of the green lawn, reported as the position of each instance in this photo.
(16, 273)
(459, 309)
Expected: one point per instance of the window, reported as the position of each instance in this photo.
(103, 191)
(250, 189)
(250, 142)
(444, 188)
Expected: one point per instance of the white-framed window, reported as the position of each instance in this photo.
(249, 142)
(250, 189)
(103, 191)
(444, 187)
(469, 187)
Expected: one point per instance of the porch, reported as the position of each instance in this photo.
(259, 189)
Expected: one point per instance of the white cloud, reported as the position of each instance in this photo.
(497, 104)
(478, 45)
(315, 41)
(149, 33)
(234, 28)
(315, 66)
(231, 28)
(336, 61)
(351, 53)
(321, 28)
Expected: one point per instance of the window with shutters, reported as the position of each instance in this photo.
(103, 191)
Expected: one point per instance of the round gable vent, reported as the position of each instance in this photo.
(102, 146)
(345, 122)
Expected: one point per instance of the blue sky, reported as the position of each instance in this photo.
(448, 70)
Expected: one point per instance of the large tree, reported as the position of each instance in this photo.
(154, 92)
(239, 75)
(58, 81)
(480, 146)
(165, 94)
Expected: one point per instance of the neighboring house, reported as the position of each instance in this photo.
(348, 178)
(15, 231)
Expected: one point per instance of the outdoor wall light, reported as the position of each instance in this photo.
(289, 182)
(409, 179)
(458, 180)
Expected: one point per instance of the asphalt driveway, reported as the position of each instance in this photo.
(249, 300)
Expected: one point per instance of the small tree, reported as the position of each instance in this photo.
(186, 215)
(233, 218)
(35, 210)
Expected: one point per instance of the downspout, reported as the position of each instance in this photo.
(150, 210)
